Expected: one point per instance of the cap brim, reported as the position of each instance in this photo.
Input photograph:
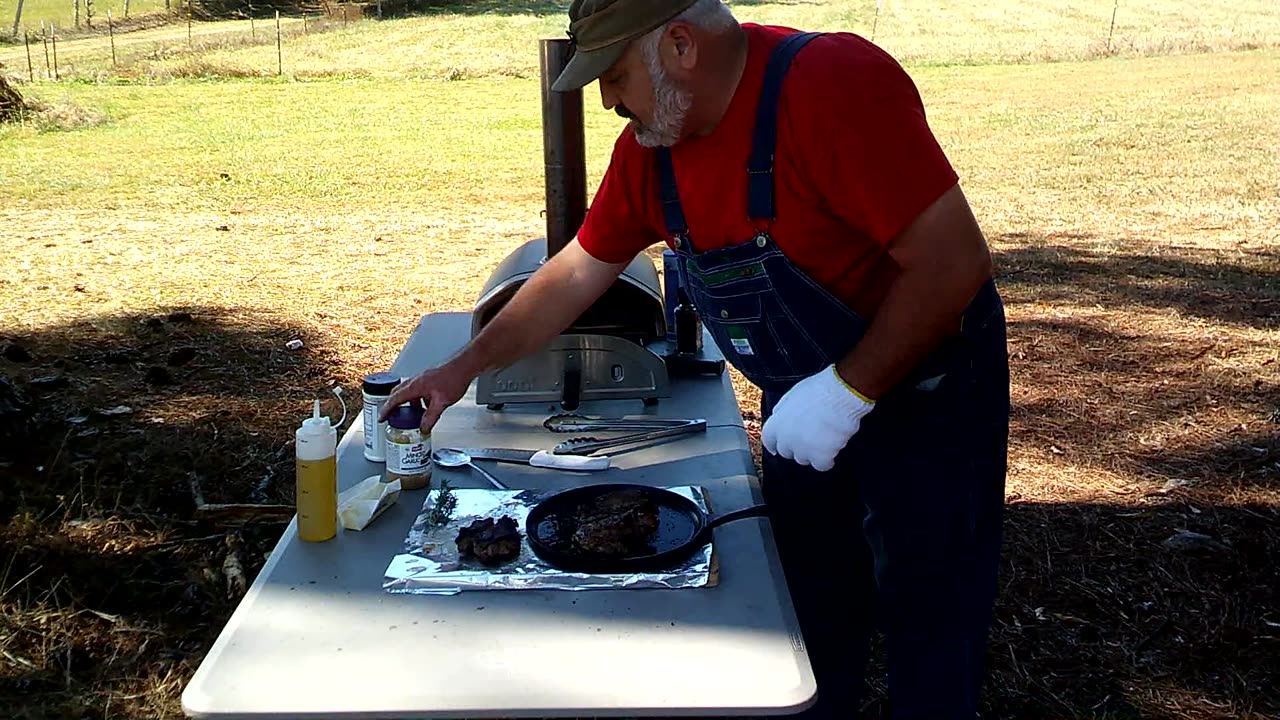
(585, 67)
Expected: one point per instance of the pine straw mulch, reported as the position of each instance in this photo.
(1143, 516)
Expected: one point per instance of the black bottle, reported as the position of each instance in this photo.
(688, 326)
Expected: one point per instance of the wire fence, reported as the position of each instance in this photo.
(78, 15)
(167, 38)
(49, 52)
(74, 17)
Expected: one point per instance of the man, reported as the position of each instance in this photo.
(833, 257)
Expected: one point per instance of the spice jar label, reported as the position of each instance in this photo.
(407, 458)
(372, 439)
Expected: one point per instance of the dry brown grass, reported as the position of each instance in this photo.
(496, 38)
(1137, 245)
(63, 114)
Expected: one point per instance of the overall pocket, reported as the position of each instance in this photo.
(745, 336)
(721, 277)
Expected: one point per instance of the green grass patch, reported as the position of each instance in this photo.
(1043, 145)
(360, 142)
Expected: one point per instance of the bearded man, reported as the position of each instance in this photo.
(824, 238)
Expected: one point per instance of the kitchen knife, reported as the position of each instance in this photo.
(539, 458)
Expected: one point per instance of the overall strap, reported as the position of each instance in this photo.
(672, 213)
(765, 140)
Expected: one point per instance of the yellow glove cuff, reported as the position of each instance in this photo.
(851, 388)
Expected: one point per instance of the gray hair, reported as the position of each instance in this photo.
(710, 15)
(671, 102)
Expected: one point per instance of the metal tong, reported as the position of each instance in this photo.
(572, 422)
(656, 429)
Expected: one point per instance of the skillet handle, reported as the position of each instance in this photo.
(748, 512)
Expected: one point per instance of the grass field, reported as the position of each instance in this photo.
(495, 37)
(1131, 201)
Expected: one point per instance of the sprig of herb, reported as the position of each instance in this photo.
(444, 505)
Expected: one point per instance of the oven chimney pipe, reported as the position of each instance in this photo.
(563, 149)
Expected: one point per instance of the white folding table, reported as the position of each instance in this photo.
(316, 636)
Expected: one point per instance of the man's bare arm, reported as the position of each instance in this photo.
(943, 260)
(553, 297)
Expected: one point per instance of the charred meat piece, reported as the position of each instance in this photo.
(617, 523)
(492, 543)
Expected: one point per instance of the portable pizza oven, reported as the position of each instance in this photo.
(615, 349)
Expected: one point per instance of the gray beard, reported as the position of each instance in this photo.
(670, 106)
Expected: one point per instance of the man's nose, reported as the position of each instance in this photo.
(608, 98)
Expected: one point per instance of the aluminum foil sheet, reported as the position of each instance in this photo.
(429, 563)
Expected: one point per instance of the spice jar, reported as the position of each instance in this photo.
(408, 449)
(375, 389)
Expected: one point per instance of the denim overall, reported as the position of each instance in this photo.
(905, 529)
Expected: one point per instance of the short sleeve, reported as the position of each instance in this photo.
(870, 150)
(618, 225)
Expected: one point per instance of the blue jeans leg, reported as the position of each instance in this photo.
(827, 563)
(926, 477)
(931, 471)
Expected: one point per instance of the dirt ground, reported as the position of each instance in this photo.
(147, 370)
(1143, 517)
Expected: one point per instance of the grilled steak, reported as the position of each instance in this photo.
(492, 543)
(617, 523)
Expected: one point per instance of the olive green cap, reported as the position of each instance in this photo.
(601, 29)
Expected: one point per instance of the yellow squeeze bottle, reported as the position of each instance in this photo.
(316, 458)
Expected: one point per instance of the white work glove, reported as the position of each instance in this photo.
(815, 419)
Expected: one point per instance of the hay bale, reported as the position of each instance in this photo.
(12, 106)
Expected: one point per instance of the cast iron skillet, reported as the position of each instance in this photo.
(683, 528)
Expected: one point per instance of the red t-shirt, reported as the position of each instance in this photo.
(855, 163)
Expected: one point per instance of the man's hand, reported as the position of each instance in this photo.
(815, 419)
(438, 388)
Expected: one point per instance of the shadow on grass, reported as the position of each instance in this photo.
(1239, 287)
(1130, 389)
(1099, 618)
(1105, 610)
(113, 590)
(111, 425)
(1149, 404)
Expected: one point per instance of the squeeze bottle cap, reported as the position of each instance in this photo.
(317, 422)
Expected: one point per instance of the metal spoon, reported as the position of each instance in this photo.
(448, 457)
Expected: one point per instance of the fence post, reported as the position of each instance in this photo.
(77, 10)
(112, 32)
(279, 50)
(53, 28)
(875, 21)
(126, 9)
(253, 31)
(31, 71)
(17, 20)
(88, 13)
(188, 23)
(1112, 32)
(44, 36)
(379, 9)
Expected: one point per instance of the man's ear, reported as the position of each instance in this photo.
(684, 48)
